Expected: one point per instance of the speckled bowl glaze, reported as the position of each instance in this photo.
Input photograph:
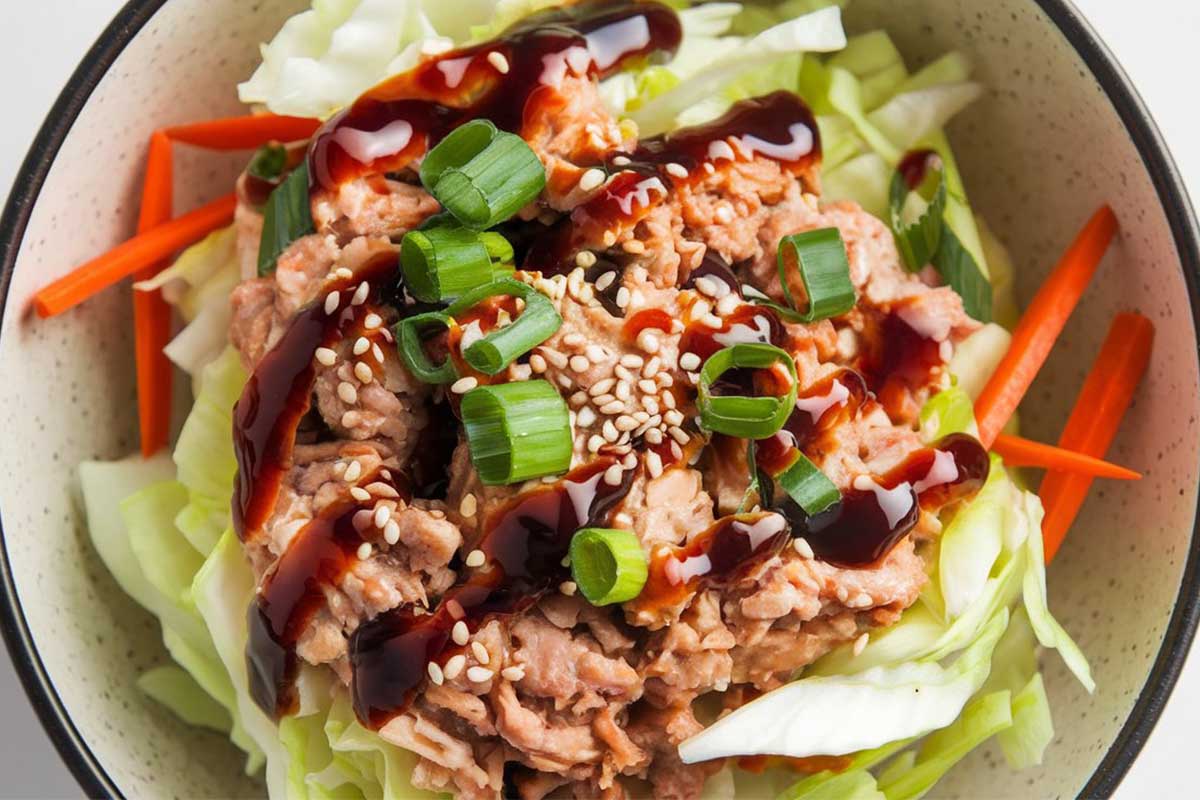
(1060, 132)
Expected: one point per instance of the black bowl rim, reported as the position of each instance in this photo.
(1168, 184)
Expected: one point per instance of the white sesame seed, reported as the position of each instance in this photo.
(654, 464)
(633, 246)
(594, 443)
(361, 345)
(625, 423)
(475, 559)
(652, 367)
(648, 386)
(620, 161)
(363, 372)
(585, 259)
(391, 532)
(664, 379)
(573, 339)
(554, 357)
(689, 362)
(668, 399)
(537, 363)
(520, 372)
(377, 353)
(860, 644)
(386, 473)
(459, 633)
(343, 273)
(706, 285)
(609, 431)
(514, 673)
(637, 299)
(339, 467)
(591, 179)
(372, 321)
(360, 494)
(609, 238)
(650, 404)
(595, 353)
(624, 390)
(381, 489)
(676, 170)
(602, 387)
(676, 451)
(673, 417)
(568, 587)
(654, 436)
(605, 280)
(331, 302)
(641, 416)
(326, 356)
(347, 393)
(564, 381)
(615, 407)
(709, 168)
(364, 551)
(497, 60)
(360, 294)
(585, 417)
(480, 652)
(479, 674)
(464, 385)
(802, 547)
(647, 341)
(678, 434)
(435, 673)
(353, 470)
(622, 297)
(382, 515)
(580, 363)
(602, 400)
(468, 505)
(632, 361)
(724, 215)
(454, 666)
(578, 399)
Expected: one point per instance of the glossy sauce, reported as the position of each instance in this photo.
(524, 543)
(747, 324)
(820, 408)
(400, 119)
(896, 359)
(716, 268)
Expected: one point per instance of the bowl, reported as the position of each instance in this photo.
(1059, 132)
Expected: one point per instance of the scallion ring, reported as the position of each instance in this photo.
(482, 175)
(745, 417)
(499, 348)
(819, 257)
(268, 162)
(517, 431)
(443, 262)
(806, 484)
(608, 565)
(412, 347)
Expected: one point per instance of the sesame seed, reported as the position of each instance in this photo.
(654, 464)
(709, 168)
(332, 300)
(381, 489)
(673, 417)
(351, 419)
(724, 215)
(595, 353)
(676, 170)
(622, 297)
(727, 304)
(654, 436)
(554, 357)
(623, 391)
(454, 666)
(564, 381)
(343, 273)
(641, 416)
(594, 443)
(632, 361)
(363, 372)
(537, 363)
(479, 674)
(676, 451)
(520, 372)
(386, 473)
(468, 505)
(382, 515)
(497, 60)
(361, 345)
(580, 363)
(364, 551)
(353, 470)
(360, 494)
(514, 673)
(648, 341)
(578, 399)
(605, 280)
(339, 467)
(568, 587)
(633, 246)
(360, 294)
(372, 321)
(664, 379)
(620, 161)
(609, 238)
(615, 407)
(803, 547)
(860, 644)
(391, 532)
(636, 298)
(652, 367)
(585, 417)
(573, 339)
(602, 387)
(585, 259)
(624, 374)
(326, 356)
(435, 673)
(437, 513)
(689, 362)
(668, 399)
(475, 558)
(706, 285)
(650, 404)
(609, 431)
(480, 652)
(625, 423)
(678, 434)
(602, 400)
(591, 179)
(347, 393)
(648, 386)
(464, 385)
(459, 633)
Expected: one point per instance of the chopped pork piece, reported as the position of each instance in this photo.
(373, 206)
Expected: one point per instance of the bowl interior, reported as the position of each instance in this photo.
(1040, 152)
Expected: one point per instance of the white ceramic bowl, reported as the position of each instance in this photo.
(1059, 132)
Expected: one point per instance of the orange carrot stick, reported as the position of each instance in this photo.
(1098, 410)
(133, 256)
(151, 313)
(1019, 452)
(1041, 325)
(243, 133)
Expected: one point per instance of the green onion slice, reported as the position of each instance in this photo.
(746, 417)
(482, 175)
(960, 271)
(820, 258)
(286, 217)
(608, 565)
(499, 348)
(412, 349)
(268, 162)
(517, 431)
(808, 486)
(918, 239)
(443, 262)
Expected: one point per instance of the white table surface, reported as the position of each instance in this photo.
(41, 42)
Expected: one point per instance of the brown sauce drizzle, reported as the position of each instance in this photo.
(714, 267)
(401, 118)
(524, 543)
(896, 359)
(748, 323)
